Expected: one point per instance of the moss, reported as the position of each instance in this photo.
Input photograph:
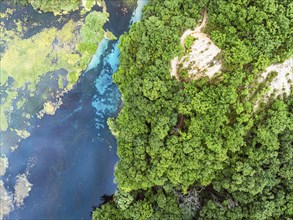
(109, 35)
(88, 4)
(22, 133)
(56, 6)
(31, 56)
(3, 121)
(27, 60)
(72, 78)
(188, 42)
(49, 108)
(60, 83)
(129, 3)
(20, 103)
(19, 26)
(5, 108)
(101, 3)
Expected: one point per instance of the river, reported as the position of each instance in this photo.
(69, 157)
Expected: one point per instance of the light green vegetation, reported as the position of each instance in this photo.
(36, 55)
(92, 32)
(55, 6)
(59, 7)
(49, 108)
(88, 4)
(5, 109)
(8, 35)
(197, 149)
(109, 35)
(129, 3)
(188, 42)
(7, 13)
(60, 83)
(27, 60)
(22, 133)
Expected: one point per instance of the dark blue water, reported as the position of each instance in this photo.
(70, 156)
(72, 159)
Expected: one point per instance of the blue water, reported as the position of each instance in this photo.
(70, 156)
(95, 61)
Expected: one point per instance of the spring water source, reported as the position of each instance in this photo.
(69, 157)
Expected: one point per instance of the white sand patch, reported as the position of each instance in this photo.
(3, 165)
(281, 83)
(6, 204)
(174, 66)
(21, 189)
(200, 61)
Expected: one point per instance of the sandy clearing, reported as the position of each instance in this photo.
(200, 61)
(174, 66)
(281, 83)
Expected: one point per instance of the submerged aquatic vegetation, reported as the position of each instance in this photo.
(25, 61)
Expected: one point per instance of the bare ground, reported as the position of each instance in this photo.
(200, 60)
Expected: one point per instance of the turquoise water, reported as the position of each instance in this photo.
(95, 61)
(70, 157)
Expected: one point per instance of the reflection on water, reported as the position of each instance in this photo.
(69, 157)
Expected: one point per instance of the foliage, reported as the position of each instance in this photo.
(44, 57)
(129, 3)
(174, 137)
(59, 7)
(92, 32)
(252, 31)
(56, 6)
(151, 204)
(69, 48)
(188, 42)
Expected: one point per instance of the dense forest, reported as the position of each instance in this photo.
(200, 149)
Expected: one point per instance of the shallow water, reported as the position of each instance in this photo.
(70, 156)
